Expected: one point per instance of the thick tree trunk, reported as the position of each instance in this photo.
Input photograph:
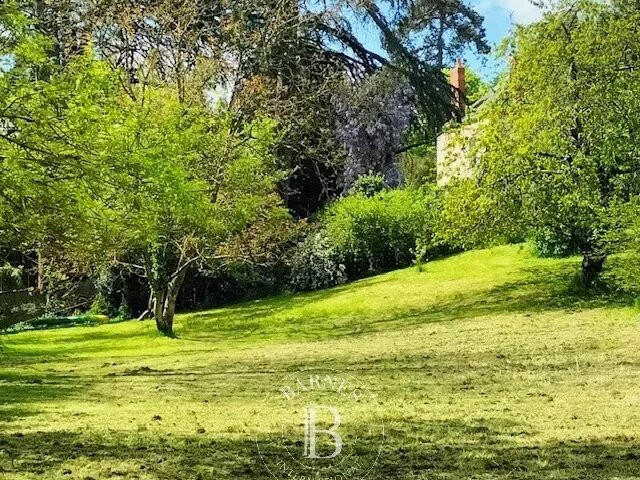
(165, 304)
(164, 325)
(165, 289)
(592, 266)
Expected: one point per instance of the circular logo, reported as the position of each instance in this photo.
(321, 426)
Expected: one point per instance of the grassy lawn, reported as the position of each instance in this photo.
(485, 365)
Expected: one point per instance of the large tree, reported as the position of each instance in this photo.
(380, 122)
(438, 30)
(96, 174)
(557, 145)
(278, 58)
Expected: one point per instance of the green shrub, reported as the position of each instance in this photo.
(379, 233)
(316, 264)
(470, 218)
(368, 185)
(53, 322)
(418, 166)
(360, 235)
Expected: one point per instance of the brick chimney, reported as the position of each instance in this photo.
(459, 84)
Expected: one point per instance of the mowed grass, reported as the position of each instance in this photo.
(485, 365)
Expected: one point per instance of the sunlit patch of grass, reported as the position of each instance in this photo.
(486, 365)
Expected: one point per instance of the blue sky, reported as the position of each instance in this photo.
(500, 16)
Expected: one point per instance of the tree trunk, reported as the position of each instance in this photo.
(592, 266)
(40, 272)
(165, 304)
(150, 308)
(172, 296)
(165, 325)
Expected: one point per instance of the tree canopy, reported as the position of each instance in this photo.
(554, 152)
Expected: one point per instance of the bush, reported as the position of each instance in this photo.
(53, 322)
(359, 236)
(224, 284)
(554, 243)
(470, 218)
(379, 233)
(418, 166)
(368, 185)
(316, 264)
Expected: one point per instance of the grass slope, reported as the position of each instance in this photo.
(485, 366)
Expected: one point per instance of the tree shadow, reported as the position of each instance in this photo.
(23, 394)
(541, 289)
(547, 287)
(550, 287)
(455, 449)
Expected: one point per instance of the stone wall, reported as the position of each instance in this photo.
(454, 159)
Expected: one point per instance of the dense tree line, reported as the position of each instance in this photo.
(162, 137)
(227, 147)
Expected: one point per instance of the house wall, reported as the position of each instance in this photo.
(454, 158)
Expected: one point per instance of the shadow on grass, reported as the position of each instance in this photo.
(452, 449)
(551, 287)
(23, 395)
(548, 287)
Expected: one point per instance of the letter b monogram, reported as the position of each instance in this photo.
(311, 432)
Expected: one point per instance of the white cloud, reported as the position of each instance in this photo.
(521, 11)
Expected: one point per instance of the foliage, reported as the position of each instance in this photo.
(108, 122)
(417, 36)
(477, 88)
(439, 30)
(52, 322)
(555, 149)
(147, 177)
(11, 277)
(379, 233)
(468, 220)
(250, 264)
(418, 166)
(112, 293)
(549, 243)
(623, 237)
(373, 119)
(368, 185)
(360, 235)
(291, 78)
(316, 263)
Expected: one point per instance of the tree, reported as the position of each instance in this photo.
(215, 186)
(373, 120)
(145, 180)
(445, 27)
(439, 30)
(556, 149)
(278, 58)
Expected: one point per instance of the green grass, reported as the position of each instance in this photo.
(485, 365)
